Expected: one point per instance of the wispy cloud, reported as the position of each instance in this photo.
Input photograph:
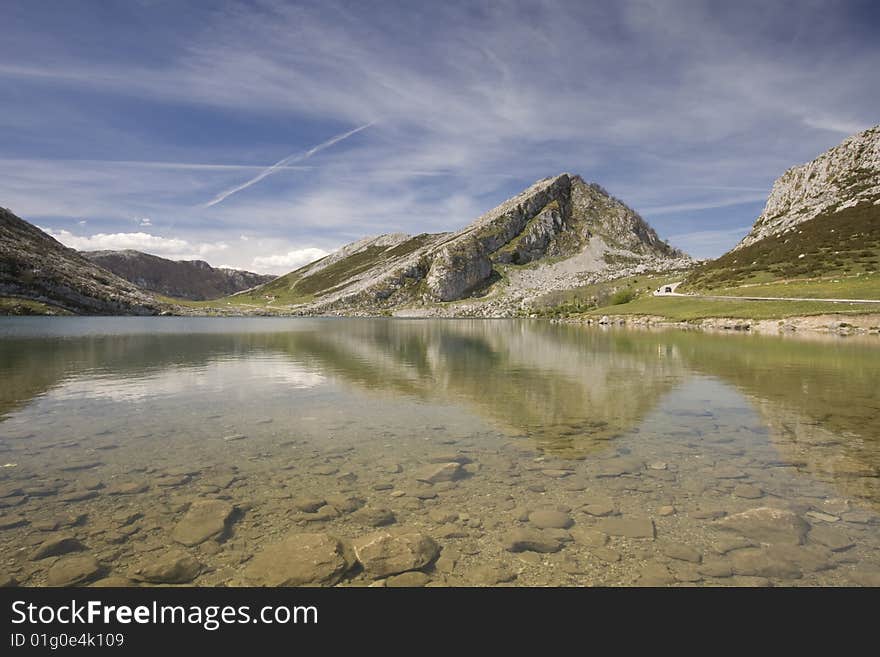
(709, 204)
(290, 159)
(686, 111)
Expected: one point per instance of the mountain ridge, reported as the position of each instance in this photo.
(844, 176)
(560, 228)
(195, 280)
(35, 266)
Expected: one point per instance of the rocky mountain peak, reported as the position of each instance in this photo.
(557, 232)
(842, 177)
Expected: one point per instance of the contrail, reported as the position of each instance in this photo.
(296, 157)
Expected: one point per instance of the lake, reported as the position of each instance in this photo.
(188, 450)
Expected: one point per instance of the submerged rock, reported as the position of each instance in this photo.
(767, 525)
(71, 571)
(374, 516)
(528, 540)
(433, 474)
(56, 546)
(172, 568)
(205, 519)
(311, 559)
(630, 527)
(549, 519)
(389, 552)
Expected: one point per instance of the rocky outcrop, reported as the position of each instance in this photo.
(35, 266)
(182, 279)
(567, 231)
(458, 268)
(845, 176)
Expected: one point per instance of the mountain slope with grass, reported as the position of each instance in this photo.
(36, 268)
(820, 227)
(183, 279)
(559, 233)
(817, 239)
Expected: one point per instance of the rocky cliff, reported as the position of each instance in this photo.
(560, 232)
(182, 279)
(35, 266)
(846, 176)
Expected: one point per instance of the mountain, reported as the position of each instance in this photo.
(821, 219)
(846, 176)
(559, 233)
(184, 279)
(35, 266)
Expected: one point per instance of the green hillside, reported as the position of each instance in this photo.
(305, 284)
(834, 250)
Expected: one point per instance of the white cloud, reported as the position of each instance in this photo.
(842, 127)
(285, 262)
(146, 222)
(167, 247)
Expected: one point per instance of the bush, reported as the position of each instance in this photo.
(622, 296)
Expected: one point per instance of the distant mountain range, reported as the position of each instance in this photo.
(561, 233)
(183, 279)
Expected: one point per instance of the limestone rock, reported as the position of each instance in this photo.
(410, 579)
(72, 571)
(203, 520)
(388, 552)
(630, 527)
(57, 546)
(172, 568)
(528, 540)
(550, 519)
(433, 474)
(844, 176)
(767, 525)
(374, 516)
(311, 559)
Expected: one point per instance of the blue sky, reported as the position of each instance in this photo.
(121, 122)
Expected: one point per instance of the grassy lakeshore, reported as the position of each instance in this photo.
(683, 309)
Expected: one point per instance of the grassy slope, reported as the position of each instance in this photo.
(16, 306)
(830, 252)
(683, 309)
(297, 287)
(840, 259)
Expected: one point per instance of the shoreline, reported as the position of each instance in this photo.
(838, 324)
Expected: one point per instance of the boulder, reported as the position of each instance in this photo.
(388, 552)
(767, 525)
(309, 559)
(203, 520)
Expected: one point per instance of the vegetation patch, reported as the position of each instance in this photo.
(842, 243)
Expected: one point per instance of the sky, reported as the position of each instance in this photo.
(263, 134)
